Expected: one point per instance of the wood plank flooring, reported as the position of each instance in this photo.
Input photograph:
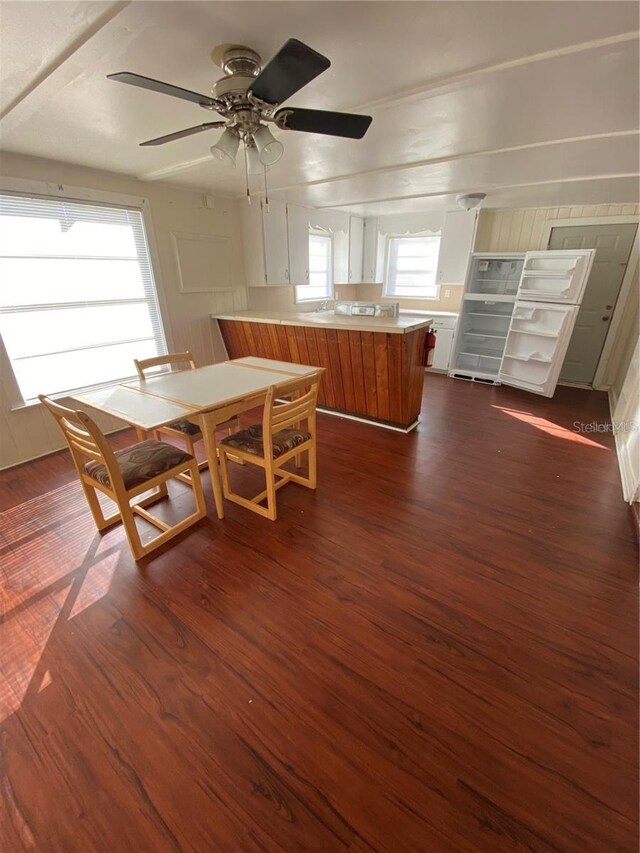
(436, 651)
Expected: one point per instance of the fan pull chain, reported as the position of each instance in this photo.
(266, 191)
(246, 172)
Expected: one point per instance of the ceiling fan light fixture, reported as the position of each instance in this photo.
(269, 149)
(255, 166)
(226, 147)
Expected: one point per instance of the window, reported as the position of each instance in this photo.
(412, 267)
(77, 296)
(320, 278)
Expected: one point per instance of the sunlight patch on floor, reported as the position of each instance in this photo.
(549, 427)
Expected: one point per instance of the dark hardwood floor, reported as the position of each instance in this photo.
(436, 651)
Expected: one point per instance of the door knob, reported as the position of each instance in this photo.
(608, 307)
(606, 318)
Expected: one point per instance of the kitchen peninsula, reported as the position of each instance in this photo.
(374, 365)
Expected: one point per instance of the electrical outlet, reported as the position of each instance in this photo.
(447, 293)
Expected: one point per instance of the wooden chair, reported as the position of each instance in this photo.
(125, 474)
(184, 430)
(275, 442)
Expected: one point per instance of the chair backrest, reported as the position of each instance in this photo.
(85, 439)
(291, 413)
(182, 358)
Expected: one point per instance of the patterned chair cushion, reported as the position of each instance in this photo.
(194, 429)
(250, 440)
(185, 426)
(139, 463)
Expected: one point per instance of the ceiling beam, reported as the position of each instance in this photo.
(417, 92)
(434, 161)
(86, 35)
(488, 189)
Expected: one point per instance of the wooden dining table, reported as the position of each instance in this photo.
(207, 396)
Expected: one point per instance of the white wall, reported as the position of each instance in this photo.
(30, 431)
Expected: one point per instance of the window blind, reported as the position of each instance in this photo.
(77, 296)
(412, 267)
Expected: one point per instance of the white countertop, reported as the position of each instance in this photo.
(415, 312)
(329, 320)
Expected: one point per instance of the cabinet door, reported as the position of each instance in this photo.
(536, 345)
(456, 245)
(370, 251)
(253, 245)
(442, 352)
(339, 224)
(298, 232)
(356, 248)
(276, 242)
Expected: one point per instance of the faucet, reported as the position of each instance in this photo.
(324, 306)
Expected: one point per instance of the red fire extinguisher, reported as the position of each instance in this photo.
(429, 347)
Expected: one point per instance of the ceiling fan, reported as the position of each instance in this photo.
(248, 97)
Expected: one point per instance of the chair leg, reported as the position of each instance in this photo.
(131, 532)
(272, 508)
(224, 473)
(101, 520)
(313, 466)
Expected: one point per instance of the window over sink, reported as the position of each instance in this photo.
(320, 284)
(412, 267)
(78, 300)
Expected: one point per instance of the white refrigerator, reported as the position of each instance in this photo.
(547, 302)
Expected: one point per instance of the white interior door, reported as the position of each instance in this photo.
(612, 244)
(555, 276)
(536, 344)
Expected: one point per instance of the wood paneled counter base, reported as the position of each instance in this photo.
(372, 375)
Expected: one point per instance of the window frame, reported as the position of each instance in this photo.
(318, 232)
(386, 291)
(71, 193)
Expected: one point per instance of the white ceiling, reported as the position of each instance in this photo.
(534, 103)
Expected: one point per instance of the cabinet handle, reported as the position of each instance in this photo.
(306, 275)
(350, 274)
(286, 274)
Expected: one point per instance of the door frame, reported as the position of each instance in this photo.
(625, 288)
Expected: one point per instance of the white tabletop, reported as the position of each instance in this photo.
(271, 364)
(215, 385)
(141, 410)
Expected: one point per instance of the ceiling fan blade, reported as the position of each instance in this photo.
(160, 140)
(289, 70)
(324, 121)
(163, 88)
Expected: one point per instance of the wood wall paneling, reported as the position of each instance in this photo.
(372, 375)
(523, 230)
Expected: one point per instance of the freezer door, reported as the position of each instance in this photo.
(536, 344)
(559, 276)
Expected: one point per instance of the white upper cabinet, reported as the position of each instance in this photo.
(276, 242)
(298, 235)
(356, 248)
(348, 240)
(370, 267)
(456, 245)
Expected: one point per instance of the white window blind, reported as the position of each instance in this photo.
(77, 297)
(320, 277)
(412, 267)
